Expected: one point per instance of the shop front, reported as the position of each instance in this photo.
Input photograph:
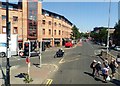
(57, 42)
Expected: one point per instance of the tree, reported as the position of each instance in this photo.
(100, 36)
(116, 34)
(75, 33)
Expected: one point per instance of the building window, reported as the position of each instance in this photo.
(59, 25)
(15, 18)
(54, 32)
(59, 32)
(43, 31)
(15, 30)
(43, 21)
(62, 32)
(49, 31)
(3, 29)
(49, 22)
(3, 17)
(55, 23)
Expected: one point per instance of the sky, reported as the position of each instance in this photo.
(85, 14)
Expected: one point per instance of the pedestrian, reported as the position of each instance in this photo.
(105, 63)
(113, 65)
(118, 59)
(98, 68)
(105, 72)
(92, 65)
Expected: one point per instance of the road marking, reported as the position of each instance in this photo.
(56, 67)
(15, 67)
(49, 82)
(63, 61)
(18, 59)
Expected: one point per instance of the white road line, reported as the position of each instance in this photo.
(56, 67)
(14, 67)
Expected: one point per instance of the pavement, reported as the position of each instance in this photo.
(38, 74)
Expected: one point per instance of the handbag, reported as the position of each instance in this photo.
(108, 78)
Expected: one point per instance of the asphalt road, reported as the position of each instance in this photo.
(75, 67)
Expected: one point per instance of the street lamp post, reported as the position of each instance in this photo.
(108, 35)
(40, 49)
(7, 79)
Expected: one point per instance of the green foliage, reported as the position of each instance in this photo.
(100, 36)
(27, 78)
(116, 34)
(75, 33)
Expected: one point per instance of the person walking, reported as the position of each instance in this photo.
(105, 72)
(92, 65)
(98, 68)
(113, 65)
(118, 59)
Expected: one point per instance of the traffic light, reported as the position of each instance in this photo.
(33, 46)
(26, 49)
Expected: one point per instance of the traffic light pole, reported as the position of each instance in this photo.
(7, 79)
(40, 54)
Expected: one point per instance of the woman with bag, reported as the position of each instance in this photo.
(92, 65)
(105, 73)
(113, 65)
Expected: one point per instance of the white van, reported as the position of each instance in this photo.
(13, 45)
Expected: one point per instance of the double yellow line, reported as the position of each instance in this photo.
(49, 82)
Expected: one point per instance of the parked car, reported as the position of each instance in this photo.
(117, 48)
(68, 44)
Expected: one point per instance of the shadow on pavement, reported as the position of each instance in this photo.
(96, 78)
(36, 65)
(21, 75)
(116, 82)
(88, 74)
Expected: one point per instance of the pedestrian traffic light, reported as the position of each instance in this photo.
(26, 49)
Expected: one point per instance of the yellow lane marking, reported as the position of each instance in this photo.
(49, 82)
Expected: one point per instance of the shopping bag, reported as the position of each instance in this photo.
(108, 78)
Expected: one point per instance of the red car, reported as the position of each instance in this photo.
(68, 44)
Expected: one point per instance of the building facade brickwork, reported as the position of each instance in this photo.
(31, 24)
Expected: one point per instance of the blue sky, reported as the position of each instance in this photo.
(85, 15)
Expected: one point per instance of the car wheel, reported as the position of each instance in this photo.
(2, 54)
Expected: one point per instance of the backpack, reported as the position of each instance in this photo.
(91, 65)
